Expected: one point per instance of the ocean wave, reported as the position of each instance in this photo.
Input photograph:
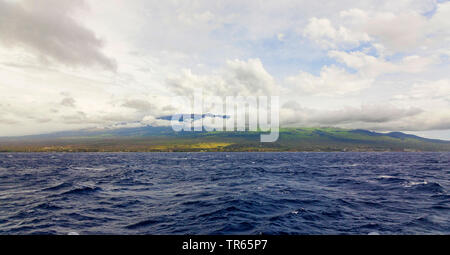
(81, 190)
(214, 193)
(425, 186)
(58, 186)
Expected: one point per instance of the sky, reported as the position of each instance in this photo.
(75, 64)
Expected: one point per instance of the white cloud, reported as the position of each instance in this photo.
(439, 25)
(398, 55)
(331, 81)
(365, 113)
(49, 30)
(398, 32)
(68, 102)
(138, 104)
(428, 120)
(325, 34)
(236, 78)
(373, 66)
(433, 90)
(381, 117)
(389, 31)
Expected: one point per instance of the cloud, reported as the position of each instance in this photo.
(155, 121)
(433, 90)
(409, 30)
(372, 66)
(7, 121)
(399, 32)
(101, 120)
(331, 81)
(237, 78)
(367, 113)
(439, 24)
(138, 104)
(49, 30)
(428, 120)
(321, 31)
(381, 117)
(68, 102)
(388, 30)
(342, 61)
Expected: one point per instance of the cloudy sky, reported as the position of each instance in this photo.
(72, 64)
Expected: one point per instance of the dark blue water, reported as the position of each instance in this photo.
(225, 193)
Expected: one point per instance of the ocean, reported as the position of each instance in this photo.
(225, 193)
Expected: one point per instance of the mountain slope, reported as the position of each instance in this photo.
(150, 138)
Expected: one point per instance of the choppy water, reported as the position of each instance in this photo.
(225, 193)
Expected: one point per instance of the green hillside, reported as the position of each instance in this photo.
(161, 139)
